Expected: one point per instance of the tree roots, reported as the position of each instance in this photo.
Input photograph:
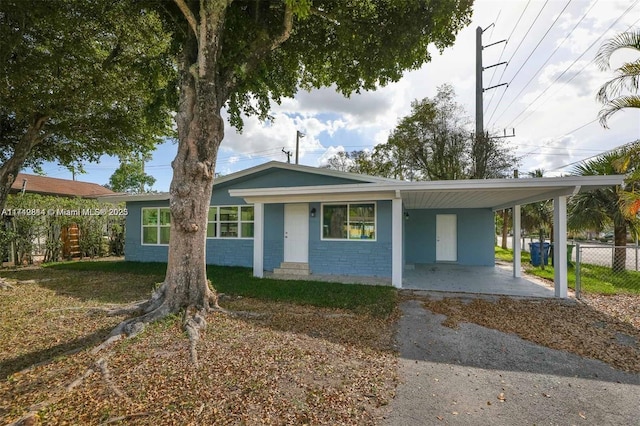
(4, 285)
(157, 307)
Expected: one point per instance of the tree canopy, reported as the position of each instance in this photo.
(434, 142)
(81, 79)
(130, 176)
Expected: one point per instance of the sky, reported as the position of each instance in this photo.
(549, 101)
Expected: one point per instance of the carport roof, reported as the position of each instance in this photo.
(496, 194)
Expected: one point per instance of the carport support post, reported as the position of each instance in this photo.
(258, 240)
(396, 242)
(560, 246)
(517, 263)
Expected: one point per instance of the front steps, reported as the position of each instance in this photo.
(292, 268)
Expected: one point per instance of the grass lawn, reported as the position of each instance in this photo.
(374, 300)
(312, 353)
(594, 279)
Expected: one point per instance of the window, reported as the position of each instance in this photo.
(230, 222)
(156, 225)
(349, 221)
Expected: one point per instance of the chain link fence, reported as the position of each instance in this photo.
(606, 265)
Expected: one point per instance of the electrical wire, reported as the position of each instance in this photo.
(531, 54)
(503, 49)
(572, 64)
(564, 134)
(516, 51)
(595, 156)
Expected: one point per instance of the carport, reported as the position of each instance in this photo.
(497, 194)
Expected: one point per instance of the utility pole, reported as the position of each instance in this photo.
(298, 136)
(479, 89)
(288, 154)
(481, 139)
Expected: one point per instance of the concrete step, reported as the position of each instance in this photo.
(280, 271)
(294, 265)
(292, 268)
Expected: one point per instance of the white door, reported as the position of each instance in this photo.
(446, 238)
(296, 233)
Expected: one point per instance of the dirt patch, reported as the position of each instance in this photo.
(579, 328)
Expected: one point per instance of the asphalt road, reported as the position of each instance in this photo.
(479, 376)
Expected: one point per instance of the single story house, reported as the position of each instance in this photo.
(279, 217)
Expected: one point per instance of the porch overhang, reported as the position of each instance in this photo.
(496, 194)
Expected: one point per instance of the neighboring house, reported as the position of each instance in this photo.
(55, 187)
(279, 217)
(44, 185)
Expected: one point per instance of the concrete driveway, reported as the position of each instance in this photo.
(473, 279)
(478, 376)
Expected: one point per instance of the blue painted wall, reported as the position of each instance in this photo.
(231, 252)
(133, 249)
(475, 233)
(349, 257)
(475, 242)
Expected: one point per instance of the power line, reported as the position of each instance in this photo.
(514, 54)
(595, 156)
(503, 49)
(531, 54)
(567, 69)
(553, 53)
(540, 41)
(564, 134)
(573, 63)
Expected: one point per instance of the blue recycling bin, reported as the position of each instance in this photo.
(534, 249)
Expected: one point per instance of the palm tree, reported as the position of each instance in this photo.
(630, 165)
(604, 207)
(627, 76)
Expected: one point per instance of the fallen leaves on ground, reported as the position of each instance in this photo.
(594, 329)
(625, 307)
(288, 364)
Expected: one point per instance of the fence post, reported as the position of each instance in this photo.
(578, 260)
(636, 253)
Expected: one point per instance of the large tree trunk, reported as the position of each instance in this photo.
(9, 170)
(200, 132)
(505, 228)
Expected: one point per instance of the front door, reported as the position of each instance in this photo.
(446, 238)
(296, 233)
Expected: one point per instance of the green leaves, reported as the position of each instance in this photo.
(354, 45)
(101, 71)
(627, 77)
(432, 143)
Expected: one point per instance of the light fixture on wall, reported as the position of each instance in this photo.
(406, 215)
(313, 212)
